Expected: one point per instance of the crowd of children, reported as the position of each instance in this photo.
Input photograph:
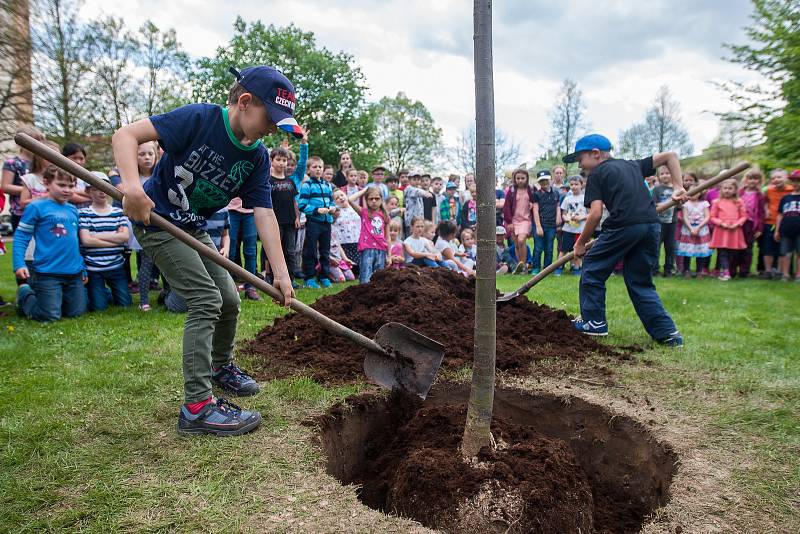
(337, 233)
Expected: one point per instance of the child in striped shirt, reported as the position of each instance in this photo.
(103, 231)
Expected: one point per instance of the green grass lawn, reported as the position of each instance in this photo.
(88, 409)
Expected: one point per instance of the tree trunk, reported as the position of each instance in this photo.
(477, 431)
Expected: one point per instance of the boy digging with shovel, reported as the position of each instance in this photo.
(211, 155)
(630, 233)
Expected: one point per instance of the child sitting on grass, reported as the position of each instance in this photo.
(446, 231)
(55, 287)
(396, 257)
(341, 265)
(103, 232)
(503, 258)
(468, 249)
(419, 250)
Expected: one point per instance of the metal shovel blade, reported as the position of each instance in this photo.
(507, 297)
(413, 362)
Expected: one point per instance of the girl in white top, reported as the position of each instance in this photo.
(447, 233)
(419, 250)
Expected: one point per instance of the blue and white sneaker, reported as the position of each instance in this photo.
(231, 378)
(591, 328)
(558, 272)
(675, 339)
(312, 283)
(219, 417)
(325, 283)
(576, 271)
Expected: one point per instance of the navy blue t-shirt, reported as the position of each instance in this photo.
(204, 166)
(548, 203)
(790, 209)
(620, 185)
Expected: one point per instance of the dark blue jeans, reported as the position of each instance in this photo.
(318, 238)
(243, 231)
(52, 296)
(637, 246)
(99, 296)
(544, 245)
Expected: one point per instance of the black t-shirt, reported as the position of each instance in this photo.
(339, 179)
(283, 193)
(428, 205)
(790, 208)
(620, 185)
(548, 202)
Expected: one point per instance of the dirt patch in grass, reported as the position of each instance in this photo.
(562, 464)
(436, 302)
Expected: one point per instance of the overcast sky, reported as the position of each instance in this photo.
(619, 52)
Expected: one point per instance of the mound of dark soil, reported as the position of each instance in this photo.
(436, 302)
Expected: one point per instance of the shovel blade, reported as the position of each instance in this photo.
(507, 297)
(413, 364)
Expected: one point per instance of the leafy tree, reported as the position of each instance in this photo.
(167, 68)
(567, 119)
(15, 68)
(772, 108)
(661, 130)
(477, 429)
(462, 155)
(61, 69)
(330, 89)
(406, 133)
(112, 51)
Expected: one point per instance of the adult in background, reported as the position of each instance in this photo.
(345, 163)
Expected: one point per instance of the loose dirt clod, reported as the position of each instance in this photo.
(558, 467)
(436, 302)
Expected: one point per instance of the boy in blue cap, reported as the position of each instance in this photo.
(630, 233)
(211, 155)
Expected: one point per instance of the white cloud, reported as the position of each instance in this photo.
(619, 55)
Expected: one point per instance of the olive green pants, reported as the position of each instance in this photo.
(212, 303)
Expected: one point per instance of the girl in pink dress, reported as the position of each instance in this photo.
(518, 213)
(728, 214)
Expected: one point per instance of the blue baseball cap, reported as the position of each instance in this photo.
(587, 143)
(275, 91)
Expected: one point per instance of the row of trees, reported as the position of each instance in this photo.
(91, 78)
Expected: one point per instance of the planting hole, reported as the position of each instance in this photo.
(561, 464)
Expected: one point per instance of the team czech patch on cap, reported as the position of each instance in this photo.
(275, 91)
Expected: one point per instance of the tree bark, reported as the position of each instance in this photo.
(477, 432)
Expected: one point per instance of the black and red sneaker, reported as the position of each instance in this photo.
(219, 417)
(231, 378)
